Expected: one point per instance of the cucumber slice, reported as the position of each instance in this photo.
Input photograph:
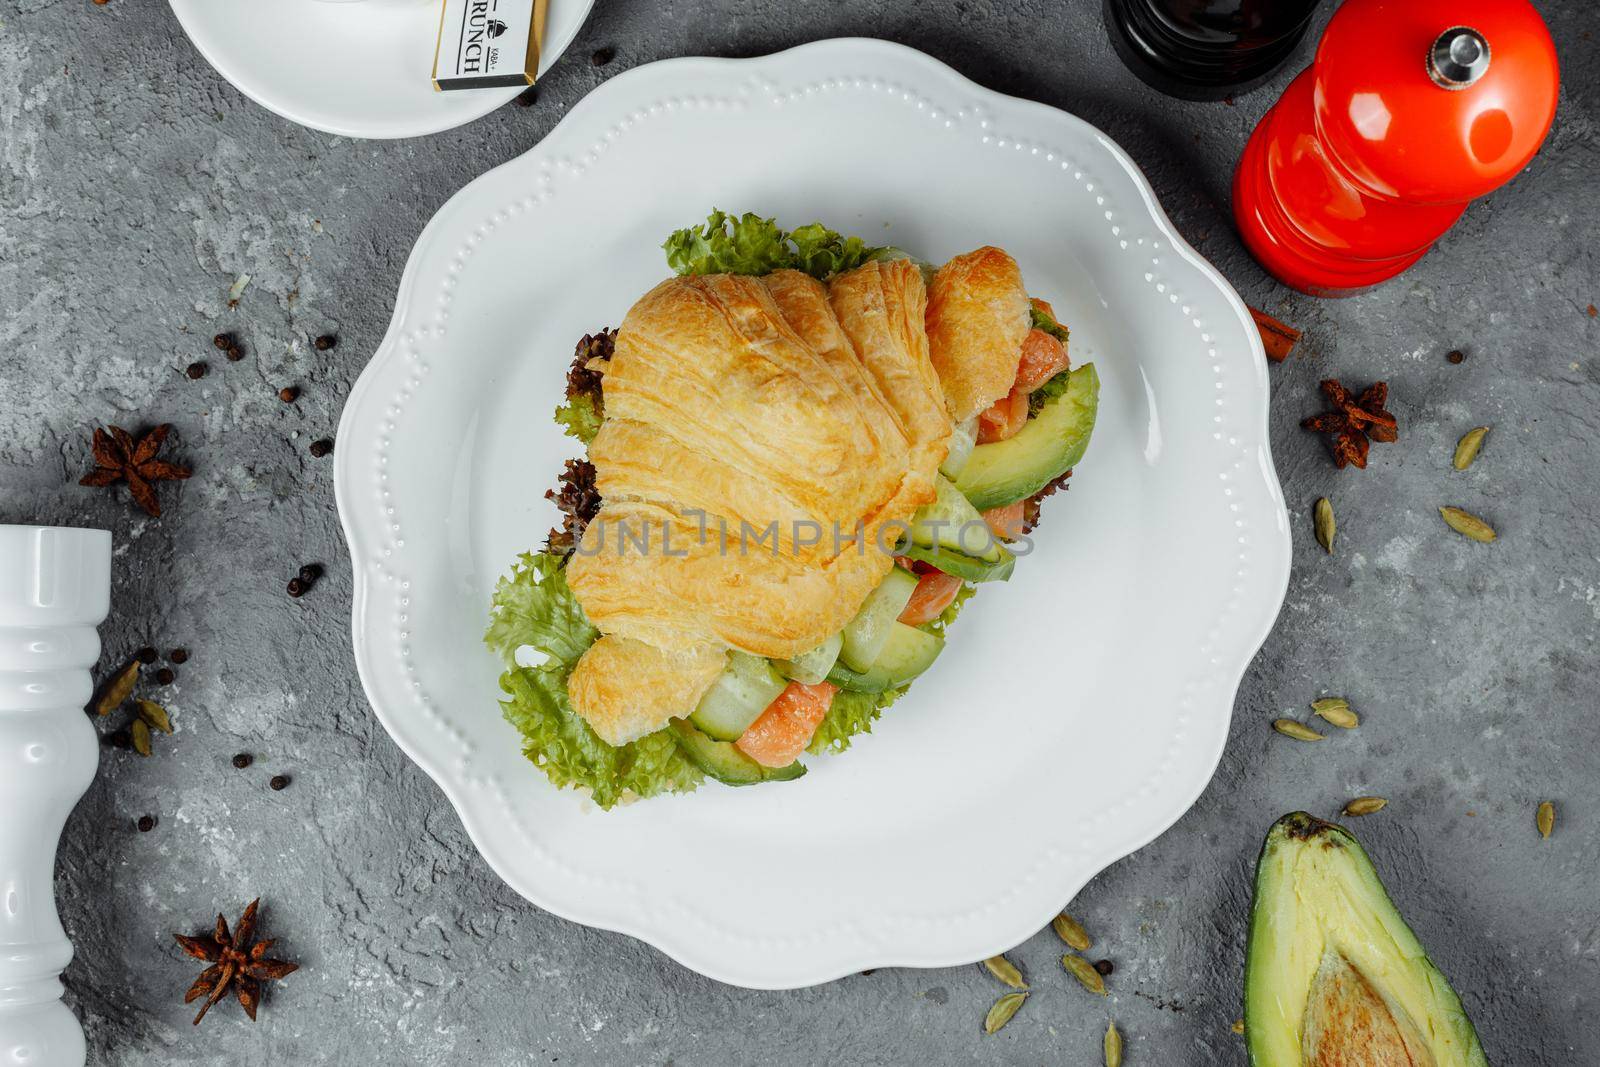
(962, 440)
(812, 667)
(865, 634)
(1050, 444)
(738, 697)
(724, 762)
(962, 566)
(951, 522)
(907, 653)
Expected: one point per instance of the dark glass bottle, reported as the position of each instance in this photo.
(1206, 49)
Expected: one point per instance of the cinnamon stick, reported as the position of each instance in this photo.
(1278, 338)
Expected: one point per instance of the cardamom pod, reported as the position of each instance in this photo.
(1297, 730)
(1084, 972)
(1467, 447)
(1006, 971)
(140, 731)
(1322, 516)
(1545, 818)
(1072, 932)
(1365, 805)
(1112, 1045)
(118, 689)
(1337, 711)
(1467, 524)
(154, 715)
(1002, 1011)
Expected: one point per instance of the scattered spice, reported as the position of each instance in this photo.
(1355, 421)
(279, 783)
(1084, 972)
(1071, 932)
(1365, 806)
(1278, 338)
(118, 459)
(179, 656)
(1467, 524)
(1592, 310)
(222, 342)
(1105, 967)
(297, 587)
(321, 448)
(1006, 971)
(289, 394)
(1455, 355)
(1545, 818)
(602, 56)
(1467, 448)
(1297, 730)
(1238, 1026)
(238, 963)
(310, 572)
(1002, 1012)
(118, 689)
(120, 739)
(325, 342)
(146, 824)
(196, 370)
(528, 98)
(236, 290)
(139, 732)
(1326, 528)
(1111, 1045)
(166, 676)
(145, 655)
(243, 760)
(154, 716)
(1337, 711)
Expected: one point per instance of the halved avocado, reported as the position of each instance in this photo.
(1049, 445)
(723, 761)
(960, 564)
(906, 654)
(1333, 975)
(951, 522)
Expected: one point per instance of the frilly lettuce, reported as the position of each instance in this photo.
(533, 606)
(750, 244)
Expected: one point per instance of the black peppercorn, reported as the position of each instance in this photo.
(279, 782)
(528, 98)
(166, 676)
(242, 760)
(321, 448)
(145, 655)
(222, 342)
(235, 353)
(296, 587)
(179, 655)
(310, 572)
(288, 394)
(1103, 966)
(146, 824)
(197, 371)
(325, 342)
(120, 739)
(1456, 355)
(602, 56)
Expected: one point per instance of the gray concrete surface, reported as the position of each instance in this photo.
(135, 184)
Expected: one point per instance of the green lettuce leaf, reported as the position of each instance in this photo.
(750, 244)
(850, 714)
(1043, 320)
(580, 417)
(534, 606)
(1048, 391)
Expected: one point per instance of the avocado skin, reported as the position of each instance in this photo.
(1049, 444)
(1301, 830)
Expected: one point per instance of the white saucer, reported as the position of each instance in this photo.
(354, 69)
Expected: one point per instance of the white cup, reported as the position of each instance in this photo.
(55, 588)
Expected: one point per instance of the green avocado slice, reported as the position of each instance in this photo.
(723, 761)
(1050, 444)
(1332, 972)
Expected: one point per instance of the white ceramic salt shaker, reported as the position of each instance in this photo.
(55, 588)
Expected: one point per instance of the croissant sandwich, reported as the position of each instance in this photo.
(803, 454)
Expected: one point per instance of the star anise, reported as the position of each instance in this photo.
(1355, 421)
(117, 458)
(236, 964)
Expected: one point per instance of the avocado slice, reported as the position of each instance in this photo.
(723, 761)
(1049, 444)
(907, 653)
(1332, 972)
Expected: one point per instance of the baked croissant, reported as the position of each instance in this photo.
(753, 426)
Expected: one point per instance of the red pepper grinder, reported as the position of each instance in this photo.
(1410, 109)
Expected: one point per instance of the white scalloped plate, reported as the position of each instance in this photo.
(1078, 710)
(357, 69)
